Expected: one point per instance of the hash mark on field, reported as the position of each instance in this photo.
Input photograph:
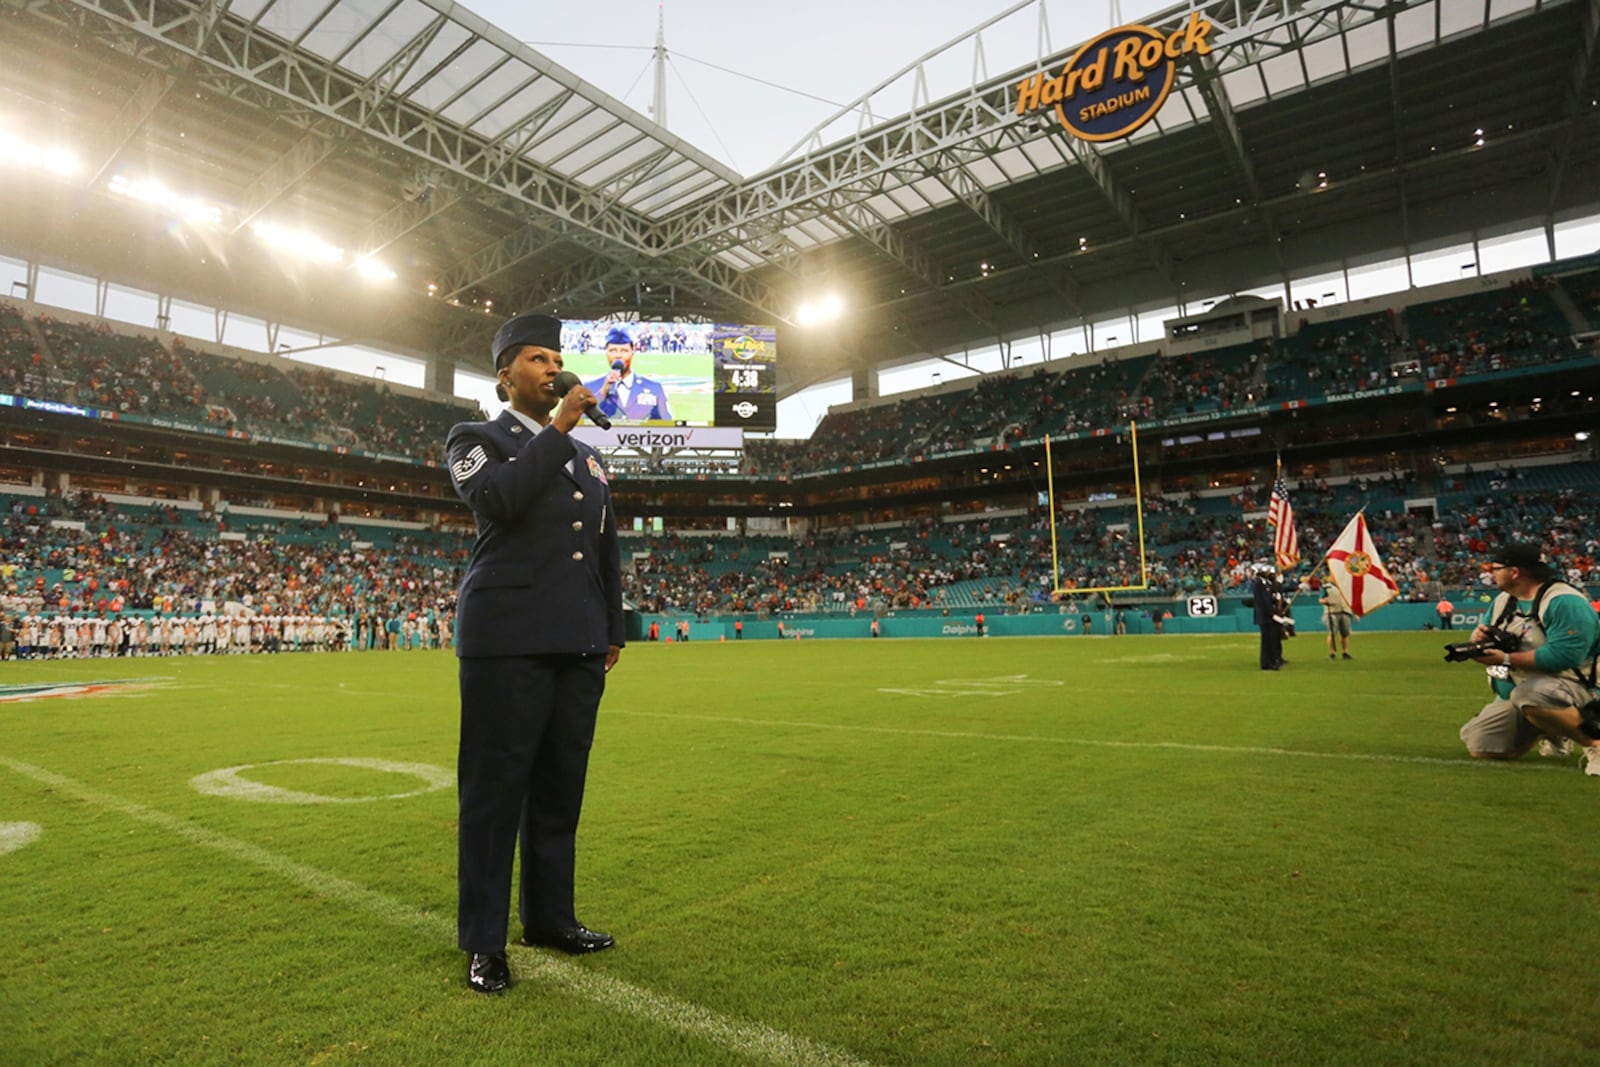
(1159, 657)
(741, 1038)
(970, 735)
(1000, 686)
(14, 835)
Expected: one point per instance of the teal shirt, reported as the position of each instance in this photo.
(1571, 630)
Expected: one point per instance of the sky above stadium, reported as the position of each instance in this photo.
(746, 82)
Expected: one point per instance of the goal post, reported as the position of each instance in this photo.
(1138, 510)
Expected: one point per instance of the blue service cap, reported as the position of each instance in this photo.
(618, 336)
(531, 328)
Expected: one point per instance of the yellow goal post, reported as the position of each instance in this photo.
(1138, 505)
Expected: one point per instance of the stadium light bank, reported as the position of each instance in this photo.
(820, 311)
(17, 151)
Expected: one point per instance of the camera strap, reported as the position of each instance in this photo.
(1511, 610)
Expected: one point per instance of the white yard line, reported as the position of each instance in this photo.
(1032, 739)
(751, 1040)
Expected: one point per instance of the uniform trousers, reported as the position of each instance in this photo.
(527, 724)
(1271, 644)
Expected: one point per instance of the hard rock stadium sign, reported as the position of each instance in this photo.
(1118, 81)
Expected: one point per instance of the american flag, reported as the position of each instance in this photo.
(1280, 516)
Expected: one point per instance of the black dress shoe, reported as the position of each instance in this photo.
(488, 972)
(575, 940)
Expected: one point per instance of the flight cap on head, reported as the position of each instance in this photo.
(530, 328)
(1524, 557)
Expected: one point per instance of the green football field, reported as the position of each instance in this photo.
(1136, 850)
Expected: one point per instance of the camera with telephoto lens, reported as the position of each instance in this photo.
(1494, 640)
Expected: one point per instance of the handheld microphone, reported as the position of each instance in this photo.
(563, 385)
(618, 367)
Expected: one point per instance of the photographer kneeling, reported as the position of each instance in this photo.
(1545, 687)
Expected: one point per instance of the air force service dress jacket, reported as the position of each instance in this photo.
(647, 400)
(544, 576)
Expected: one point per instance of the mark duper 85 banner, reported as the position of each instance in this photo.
(1116, 82)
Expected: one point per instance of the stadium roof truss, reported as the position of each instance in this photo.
(1315, 133)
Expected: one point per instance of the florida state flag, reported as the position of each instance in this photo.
(1355, 568)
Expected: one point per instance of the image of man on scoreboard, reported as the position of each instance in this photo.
(624, 395)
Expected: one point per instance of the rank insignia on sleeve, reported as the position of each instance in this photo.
(468, 465)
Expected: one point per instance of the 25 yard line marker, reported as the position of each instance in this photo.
(742, 1038)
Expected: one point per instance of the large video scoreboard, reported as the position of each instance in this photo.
(677, 373)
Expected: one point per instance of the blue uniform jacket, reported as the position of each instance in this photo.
(1263, 592)
(545, 575)
(647, 400)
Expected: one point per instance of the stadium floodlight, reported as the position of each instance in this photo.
(822, 310)
(374, 271)
(298, 243)
(18, 152)
(188, 208)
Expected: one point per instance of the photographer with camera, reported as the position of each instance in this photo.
(1539, 642)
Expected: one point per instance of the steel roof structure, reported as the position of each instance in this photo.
(1317, 133)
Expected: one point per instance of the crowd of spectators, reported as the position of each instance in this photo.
(158, 560)
(21, 364)
(1335, 357)
(76, 555)
(1206, 381)
(1191, 547)
(97, 366)
(1585, 291)
(1515, 327)
(1481, 332)
(83, 558)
